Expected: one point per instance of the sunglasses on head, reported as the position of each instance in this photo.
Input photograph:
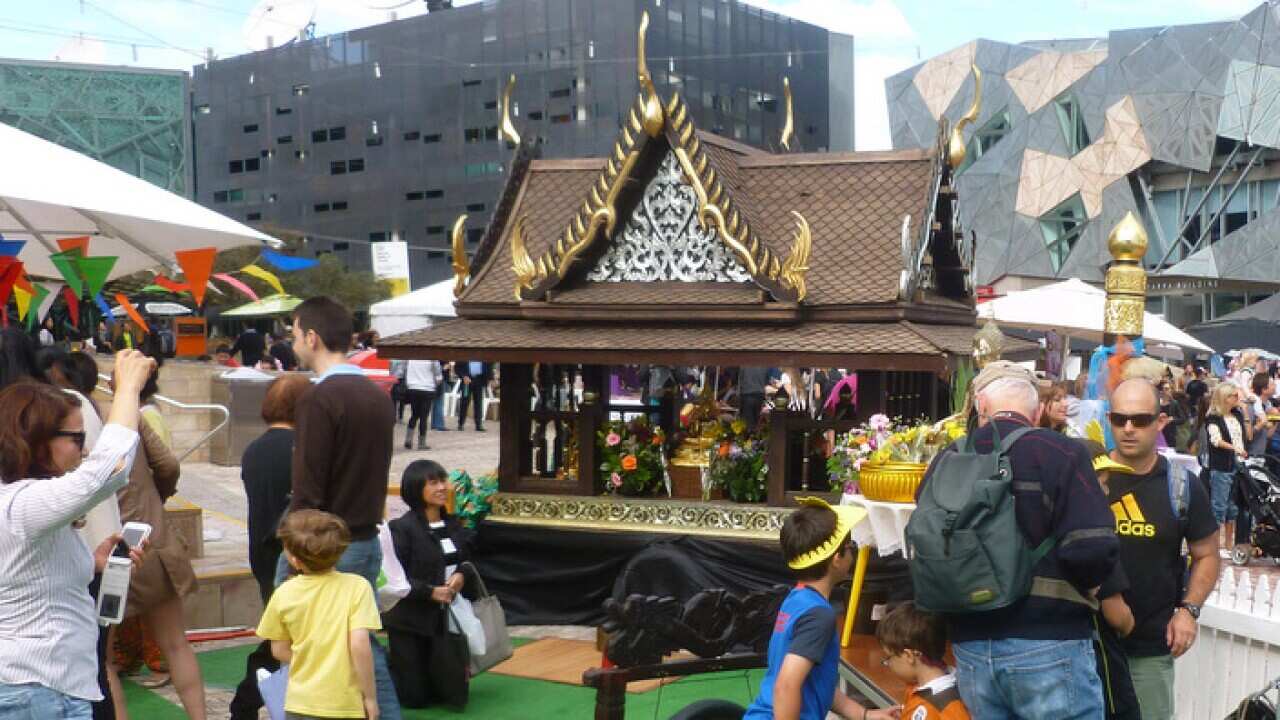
(77, 436)
(1139, 420)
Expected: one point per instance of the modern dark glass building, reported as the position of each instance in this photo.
(391, 131)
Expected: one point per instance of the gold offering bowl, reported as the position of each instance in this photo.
(891, 481)
(694, 452)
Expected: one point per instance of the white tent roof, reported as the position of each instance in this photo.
(1075, 308)
(414, 310)
(49, 192)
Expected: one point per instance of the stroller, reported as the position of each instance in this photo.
(1257, 491)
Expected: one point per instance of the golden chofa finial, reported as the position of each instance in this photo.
(652, 119)
(789, 122)
(461, 266)
(508, 128)
(1126, 282)
(955, 146)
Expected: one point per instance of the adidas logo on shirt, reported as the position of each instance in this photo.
(1129, 519)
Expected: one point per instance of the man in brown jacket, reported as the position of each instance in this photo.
(342, 452)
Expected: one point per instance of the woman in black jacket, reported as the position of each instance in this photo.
(428, 663)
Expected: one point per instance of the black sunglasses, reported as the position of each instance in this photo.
(77, 436)
(1139, 420)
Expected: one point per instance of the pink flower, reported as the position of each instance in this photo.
(879, 422)
(612, 439)
(615, 480)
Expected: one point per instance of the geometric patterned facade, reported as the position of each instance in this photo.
(134, 120)
(1159, 98)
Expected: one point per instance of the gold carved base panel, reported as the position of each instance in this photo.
(685, 517)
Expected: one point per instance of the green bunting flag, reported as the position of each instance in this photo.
(70, 269)
(95, 270)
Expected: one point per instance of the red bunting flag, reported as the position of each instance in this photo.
(197, 265)
(8, 276)
(172, 286)
(73, 305)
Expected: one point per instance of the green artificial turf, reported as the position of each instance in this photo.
(493, 697)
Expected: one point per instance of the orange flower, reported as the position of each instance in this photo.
(724, 450)
(657, 439)
(628, 462)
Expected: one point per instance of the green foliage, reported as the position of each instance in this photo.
(632, 461)
(738, 462)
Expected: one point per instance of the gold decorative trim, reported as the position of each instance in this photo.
(1126, 282)
(788, 123)
(461, 266)
(507, 128)
(797, 263)
(651, 105)
(955, 147)
(521, 264)
(746, 522)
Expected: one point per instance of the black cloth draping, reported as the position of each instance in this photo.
(553, 576)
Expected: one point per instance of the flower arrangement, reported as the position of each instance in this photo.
(632, 457)
(738, 462)
(472, 496)
(884, 440)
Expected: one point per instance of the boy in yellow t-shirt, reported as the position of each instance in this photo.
(318, 623)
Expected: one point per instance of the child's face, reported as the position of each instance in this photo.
(903, 663)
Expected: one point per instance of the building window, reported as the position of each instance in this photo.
(435, 229)
(415, 195)
(338, 133)
(561, 93)
(1071, 120)
(378, 236)
(235, 195)
(491, 105)
(428, 139)
(219, 197)
(203, 109)
(340, 205)
(475, 235)
(475, 207)
(535, 115)
(251, 128)
(235, 166)
(435, 255)
(481, 169)
(413, 135)
(253, 216)
(338, 167)
(252, 164)
(300, 154)
(434, 194)
(355, 165)
(986, 137)
(491, 132)
(470, 83)
(319, 136)
(1063, 227)
(284, 140)
(561, 119)
(272, 198)
(374, 141)
(267, 153)
(321, 207)
(284, 111)
(471, 135)
(301, 89)
(341, 246)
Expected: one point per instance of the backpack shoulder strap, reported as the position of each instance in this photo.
(1179, 490)
(1007, 443)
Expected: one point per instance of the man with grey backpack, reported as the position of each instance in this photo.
(1010, 540)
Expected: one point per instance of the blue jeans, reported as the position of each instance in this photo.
(1029, 679)
(437, 411)
(37, 702)
(1220, 483)
(363, 558)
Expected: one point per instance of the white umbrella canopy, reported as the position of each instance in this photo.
(167, 309)
(1075, 308)
(414, 310)
(49, 192)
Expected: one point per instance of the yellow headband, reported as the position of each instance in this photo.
(846, 517)
(1104, 462)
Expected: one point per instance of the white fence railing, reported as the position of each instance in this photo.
(1237, 652)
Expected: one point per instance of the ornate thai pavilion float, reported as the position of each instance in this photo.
(684, 248)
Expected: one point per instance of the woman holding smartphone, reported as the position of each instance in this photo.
(48, 623)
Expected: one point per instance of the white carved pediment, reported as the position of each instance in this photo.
(662, 241)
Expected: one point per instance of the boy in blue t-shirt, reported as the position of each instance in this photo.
(804, 653)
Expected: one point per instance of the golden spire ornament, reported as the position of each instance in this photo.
(789, 123)
(1126, 282)
(955, 145)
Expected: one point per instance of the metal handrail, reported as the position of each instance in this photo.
(226, 414)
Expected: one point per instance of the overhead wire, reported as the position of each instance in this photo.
(144, 31)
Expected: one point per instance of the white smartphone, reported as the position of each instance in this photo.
(135, 533)
(114, 590)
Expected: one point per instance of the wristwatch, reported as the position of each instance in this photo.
(1192, 609)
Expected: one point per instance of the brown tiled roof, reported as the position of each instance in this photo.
(886, 346)
(660, 293)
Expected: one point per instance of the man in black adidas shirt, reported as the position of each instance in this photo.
(1152, 521)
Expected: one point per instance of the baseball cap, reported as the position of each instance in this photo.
(1001, 370)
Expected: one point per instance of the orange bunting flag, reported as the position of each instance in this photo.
(197, 265)
(75, 243)
(132, 311)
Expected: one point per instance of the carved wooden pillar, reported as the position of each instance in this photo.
(611, 698)
(595, 398)
(779, 456)
(513, 429)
